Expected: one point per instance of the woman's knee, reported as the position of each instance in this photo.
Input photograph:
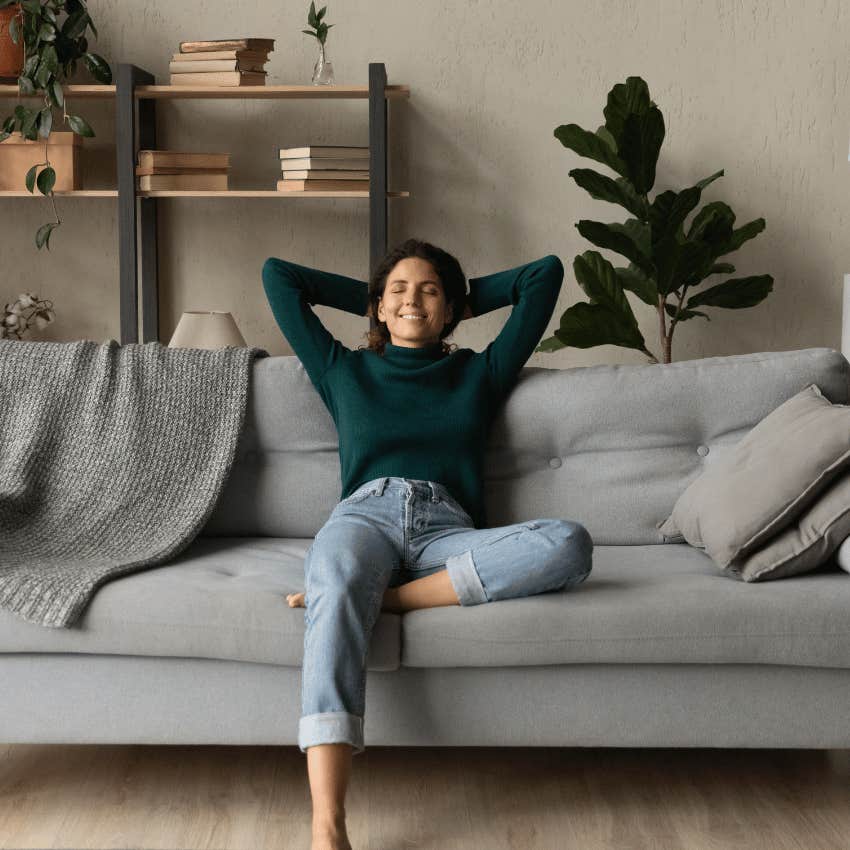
(575, 555)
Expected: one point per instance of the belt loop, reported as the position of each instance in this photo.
(433, 491)
(380, 489)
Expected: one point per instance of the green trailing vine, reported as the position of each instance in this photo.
(54, 39)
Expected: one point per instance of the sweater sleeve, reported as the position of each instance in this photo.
(533, 289)
(291, 289)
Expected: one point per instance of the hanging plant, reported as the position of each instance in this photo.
(54, 38)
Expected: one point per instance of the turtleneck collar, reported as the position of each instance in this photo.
(433, 351)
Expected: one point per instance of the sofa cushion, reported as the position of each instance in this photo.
(766, 480)
(222, 598)
(611, 447)
(645, 605)
(806, 543)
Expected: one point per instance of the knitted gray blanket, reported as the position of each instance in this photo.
(111, 460)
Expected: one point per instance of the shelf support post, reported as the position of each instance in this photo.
(127, 124)
(377, 168)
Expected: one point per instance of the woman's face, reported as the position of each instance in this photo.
(413, 289)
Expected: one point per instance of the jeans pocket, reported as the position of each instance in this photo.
(356, 497)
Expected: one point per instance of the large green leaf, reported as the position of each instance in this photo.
(79, 125)
(98, 67)
(597, 277)
(640, 145)
(713, 224)
(734, 294)
(684, 314)
(615, 237)
(625, 99)
(75, 24)
(676, 261)
(741, 235)
(604, 188)
(46, 122)
(46, 180)
(669, 210)
(587, 325)
(42, 237)
(590, 145)
(633, 279)
(29, 179)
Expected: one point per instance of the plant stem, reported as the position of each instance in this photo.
(662, 327)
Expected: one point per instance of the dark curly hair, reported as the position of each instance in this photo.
(448, 271)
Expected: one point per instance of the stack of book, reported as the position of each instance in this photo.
(182, 170)
(225, 62)
(327, 167)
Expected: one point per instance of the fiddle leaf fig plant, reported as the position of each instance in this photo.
(54, 38)
(665, 260)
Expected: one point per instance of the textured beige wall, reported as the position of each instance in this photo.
(755, 88)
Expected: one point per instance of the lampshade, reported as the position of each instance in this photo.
(845, 318)
(206, 329)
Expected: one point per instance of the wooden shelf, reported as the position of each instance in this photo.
(77, 193)
(175, 193)
(269, 92)
(96, 91)
(225, 92)
(257, 193)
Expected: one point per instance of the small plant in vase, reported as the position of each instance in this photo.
(323, 72)
(52, 49)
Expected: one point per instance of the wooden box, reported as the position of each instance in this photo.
(18, 155)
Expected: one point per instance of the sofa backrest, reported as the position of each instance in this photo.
(609, 446)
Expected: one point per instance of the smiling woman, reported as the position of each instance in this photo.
(413, 417)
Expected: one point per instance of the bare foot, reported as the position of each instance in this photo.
(389, 603)
(330, 836)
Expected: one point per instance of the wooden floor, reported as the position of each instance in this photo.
(257, 798)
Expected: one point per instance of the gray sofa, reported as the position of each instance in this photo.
(655, 648)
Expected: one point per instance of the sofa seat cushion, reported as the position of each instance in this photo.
(222, 598)
(644, 605)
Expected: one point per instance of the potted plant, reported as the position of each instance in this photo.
(53, 33)
(664, 260)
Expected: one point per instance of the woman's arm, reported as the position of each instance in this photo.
(533, 289)
(290, 289)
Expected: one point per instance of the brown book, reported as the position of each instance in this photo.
(326, 185)
(150, 182)
(324, 162)
(227, 44)
(325, 150)
(207, 65)
(154, 159)
(255, 55)
(323, 174)
(219, 78)
(166, 170)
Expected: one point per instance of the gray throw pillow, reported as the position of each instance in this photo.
(843, 556)
(766, 480)
(805, 544)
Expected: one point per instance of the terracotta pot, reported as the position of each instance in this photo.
(11, 54)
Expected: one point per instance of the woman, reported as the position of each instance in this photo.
(407, 404)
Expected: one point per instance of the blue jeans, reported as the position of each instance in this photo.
(391, 531)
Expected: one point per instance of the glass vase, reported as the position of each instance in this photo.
(323, 71)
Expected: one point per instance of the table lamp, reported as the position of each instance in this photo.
(206, 329)
(845, 318)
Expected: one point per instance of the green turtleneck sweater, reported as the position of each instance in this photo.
(414, 412)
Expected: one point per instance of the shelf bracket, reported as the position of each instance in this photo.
(377, 168)
(135, 121)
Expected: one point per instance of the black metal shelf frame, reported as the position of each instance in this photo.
(135, 129)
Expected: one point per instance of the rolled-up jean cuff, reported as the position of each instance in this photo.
(465, 579)
(331, 727)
